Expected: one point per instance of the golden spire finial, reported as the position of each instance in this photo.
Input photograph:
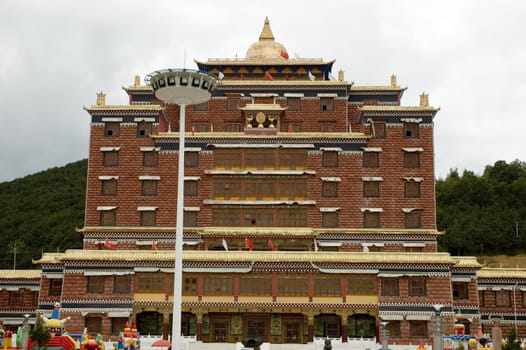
(137, 81)
(393, 80)
(341, 75)
(266, 33)
(101, 99)
(424, 100)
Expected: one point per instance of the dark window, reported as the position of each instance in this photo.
(227, 188)
(150, 282)
(189, 285)
(109, 187)
(361, 285)
(292, 159)
(259, 189)
(330, 159)
(191, 159)
(379, 130)
(411, 130)
(327, 127)
(460, 290)
(390, 287)
(293, 104)
(259, 217)
(329, 189)
(326, 104)
(371, 159)
(149, 187)
(226, 217)
(412, 189)
(55, 287)
(200, 127)
(201, 107)
(413, 249)
(502, 298)
(413, 219)
(411, 159)
(260, 158)
(327, 286)
(329, 219)
(233, 103)
(107, 218)
(292, 286)
(95, 284)
(190, 188)
(293, 127)
(93, 324)
(292, 217)
(121, 284)
(111, 129)
(371, 188)
(190, 219)
(227, 158)
(110, 158)
(217, 285)
(255, 285)
(144, 129)
(232, 127)
(150, 159)
(393, 329)
(371, 219)
(292, 189)
(418, 329)
(147, 218)
(34, 298)
(417, 286)
(118, 324)
(16, 297)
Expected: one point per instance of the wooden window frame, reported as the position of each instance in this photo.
(95, 285)
(292, 217)
(122, 284)
(16, 297)
(371, 160)
(110, 158)
(411, 130)
(108, 218)
(413, 219)
(190, 218)
(148, 218)
(108, 187)
(327, 104)
(327, 286)
(371, 219)
(418, 329)
(412, 189)
(144, 129)
(330, 219)
(149, 187)
(191, 188)
(200, 107)
(150, 282)
(329, 189)
(191, 159)
(361, 285)
(112, 129)
(417, 286)
(293, 285)
(55, 286)
(380, 129)
(232, 127)
(502, 298)
(293, 104)
(150, 159)
(460, 290)
(93, 324)
(390, 287)
(412, 160)
(371, 188)
(330, 159)
(233, 103)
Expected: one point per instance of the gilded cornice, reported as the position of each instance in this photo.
(141, 107)
(141, 88)
(249, 256)
(501, 273)
(466, 261)
(386, 108)
(220, 136)
(281, 83)
(20, 274)
(357, 88)
(250, 231)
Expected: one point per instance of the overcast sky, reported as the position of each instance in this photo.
(470, 56)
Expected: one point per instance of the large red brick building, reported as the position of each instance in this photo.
(309, 212)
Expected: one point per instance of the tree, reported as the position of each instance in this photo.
(512, 343)
(40, 334)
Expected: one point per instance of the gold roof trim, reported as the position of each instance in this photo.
(271, 231)
(263, 107)
(395, 231)
(125, 229)
(20, 274)
(249, 256)
(279, 135)
(283, 83)
(124, 108)
(377, 88)
(137, 88)
(501, 273)
(466, 261)
(382, 108)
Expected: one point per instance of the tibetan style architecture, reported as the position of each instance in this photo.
(309, 212)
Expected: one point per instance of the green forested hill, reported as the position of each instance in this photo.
(480, 214)
(39, 213)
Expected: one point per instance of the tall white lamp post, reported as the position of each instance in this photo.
(385, 336)
(181, 87)
(438, 337)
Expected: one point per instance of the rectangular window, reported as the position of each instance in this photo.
(121, 284)
(109, 187)
(418, 329)
(329, 189)
(413, 249)
(227, 158)
(107, 218)
(112, 129)
(327, 286)
(292, 286)
(259, 189)
(255, 285)
(293, 189)
(149, 187)
(393, 329)
(150, 282)
(55, 287)
(361, 285)
(293, 104)
(292, 217)
(150, 159)
(329, 219)
(502, 298)
(147, 218)
(482, 301)
(411, 159)
(34, 298)
(379, 130)
(190, 188)
(417, 286)
(233, 127)
(412, 189)
(110, 158)
(371, 219)
(326, 104)
(413, 219)
(226, 217)
(232, 103)
(260, 159)
(330, 159)
(217, 285)
(227, 188)
(200, 107)
(190, 219)
(460, 290)
(411, 130)
(371, 159)
(293, 127)
(371, 188)
(191, 159)
(144, 129)
(327, 127)
(200, 127)
(16, 297)
(292, 159)
(189, 285)
(118, 324)
(259, 217)
(390, 287)
(95, 284)
(93, 324)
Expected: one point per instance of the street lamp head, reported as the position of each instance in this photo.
(384, 323)
(438, 307)
(181, 86)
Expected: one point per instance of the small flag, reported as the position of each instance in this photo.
(221, 75)
(284, 54)
(109, 244)
(249, 244)
(315, 245)
(268, 76)
(211, 127)
(311, 76)
(243, 77)
(193, 131)
(290, 128)
(225, 245)
(154, 245)
(271, 245)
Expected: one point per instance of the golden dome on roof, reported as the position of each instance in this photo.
(266, 48)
